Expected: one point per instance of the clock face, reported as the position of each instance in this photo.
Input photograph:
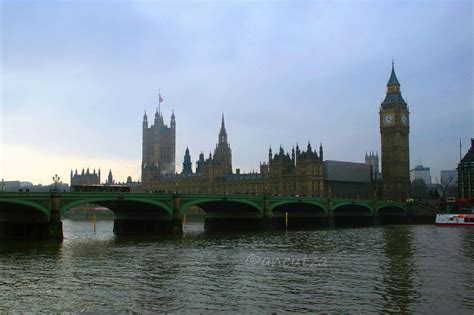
(388, 119)
(404, 119)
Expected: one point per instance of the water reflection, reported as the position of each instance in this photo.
(398, 269)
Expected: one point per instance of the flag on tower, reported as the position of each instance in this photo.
(160, 98)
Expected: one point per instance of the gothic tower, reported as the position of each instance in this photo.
(223, 153)
(158, 147)
(394, 131)
(187, 164)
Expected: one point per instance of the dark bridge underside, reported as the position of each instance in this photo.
(22, 221)
(392, 215)
(300, 215)
(138, 218)
(133, 210)
(231, 215)
(353, 215)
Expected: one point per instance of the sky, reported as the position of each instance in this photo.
(77, 76)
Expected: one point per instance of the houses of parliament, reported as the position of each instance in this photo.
(302, 171)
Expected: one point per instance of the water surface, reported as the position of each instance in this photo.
(423, 269)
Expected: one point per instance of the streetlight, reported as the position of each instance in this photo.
(2, 184)
(56, 179)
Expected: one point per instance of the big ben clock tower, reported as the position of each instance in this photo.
(394, 131)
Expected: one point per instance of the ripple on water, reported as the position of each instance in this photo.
(377, 269)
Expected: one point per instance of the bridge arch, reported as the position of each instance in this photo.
(119, 204)
(213, 204)
(299, 214)
(352, 208)
(37, 211)
(305, 205)
(391, 210)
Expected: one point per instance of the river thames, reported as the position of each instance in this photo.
(408, 269)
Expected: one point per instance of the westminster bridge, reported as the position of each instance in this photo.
(38, 215)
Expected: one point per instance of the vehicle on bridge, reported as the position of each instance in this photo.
(100, 188)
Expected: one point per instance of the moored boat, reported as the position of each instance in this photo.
(455, 220)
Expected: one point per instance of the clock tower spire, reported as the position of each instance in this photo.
(394, 132)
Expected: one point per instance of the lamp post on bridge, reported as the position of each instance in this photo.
(2, 184)
(56, 179)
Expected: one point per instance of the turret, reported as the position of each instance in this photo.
(173, 120)
(321, 151)
(199, 163)
(187, 164)
(110, 179)
(145, 121)
(222, 132)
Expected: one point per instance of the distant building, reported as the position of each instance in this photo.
(449, 177)
(465, 174)
(15, 186)
(110, 179)
(11, 186)
(421, 172)
(85, 178)
(347, 179)
(372, 159)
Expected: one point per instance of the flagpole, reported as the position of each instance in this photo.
(159, 101)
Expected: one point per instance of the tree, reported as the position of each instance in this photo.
(446, 186)
(419, 190)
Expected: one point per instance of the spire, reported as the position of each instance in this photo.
(145, 117)
(173, 120)
(223, 132)
(393, 90)
(187, 164)
(393, 77)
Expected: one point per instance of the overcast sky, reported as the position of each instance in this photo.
(77, 76)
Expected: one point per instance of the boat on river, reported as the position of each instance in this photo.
(455, 220)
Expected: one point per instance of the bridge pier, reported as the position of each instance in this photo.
(267, 213)
(151, 223)
(55, 226)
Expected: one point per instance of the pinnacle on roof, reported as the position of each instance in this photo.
(393, 77)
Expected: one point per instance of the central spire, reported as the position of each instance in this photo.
(223, 132)
(393, 81)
